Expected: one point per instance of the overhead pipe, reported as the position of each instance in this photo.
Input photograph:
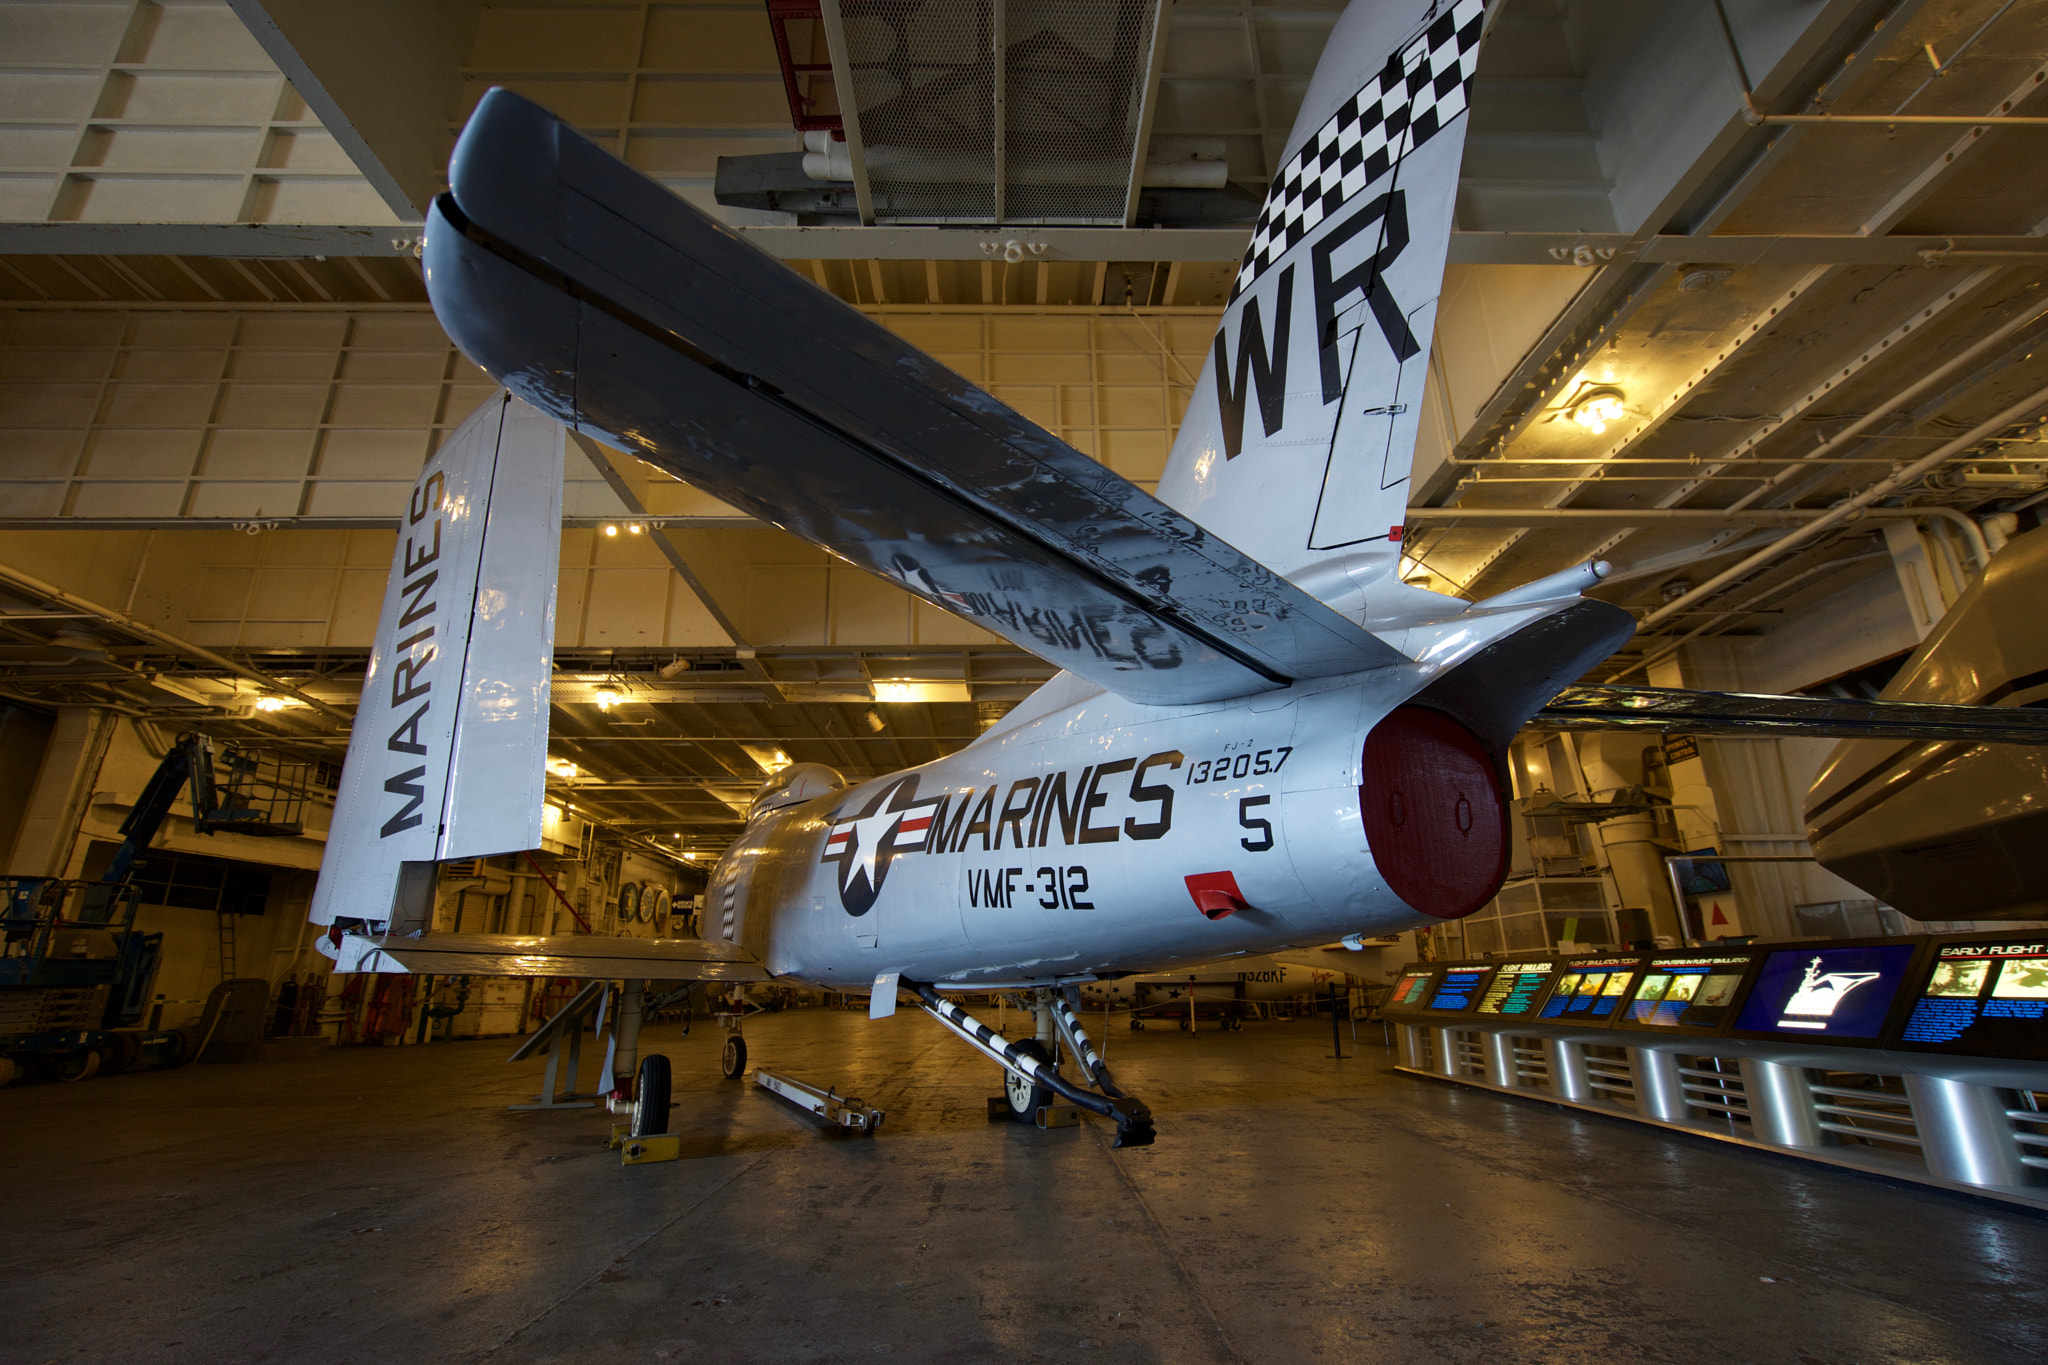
(1859, 504)
(122, 620)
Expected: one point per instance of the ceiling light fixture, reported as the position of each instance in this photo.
(610, 529)
(635, 527)
(272, 703)
(1598, 407)
(608, 697)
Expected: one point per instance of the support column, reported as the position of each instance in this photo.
(1660, 1090)
(62, 790)
(1568, 1078)
(1446, 1041)
(1781, 1104)
(1500, 1059)
(1964, 1133)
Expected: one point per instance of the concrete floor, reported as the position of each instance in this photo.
(382, 1205)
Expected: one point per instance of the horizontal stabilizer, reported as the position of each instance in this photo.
(581, 955)
(603, 298)
(1738, 713)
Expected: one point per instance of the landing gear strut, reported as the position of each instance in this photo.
(1030, 1069)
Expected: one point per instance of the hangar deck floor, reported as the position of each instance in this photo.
(384, 1206)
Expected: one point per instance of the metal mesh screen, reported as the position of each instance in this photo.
(923, 86)
(1076, 84)
(935, 134)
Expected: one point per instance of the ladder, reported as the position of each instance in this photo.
(227, 944)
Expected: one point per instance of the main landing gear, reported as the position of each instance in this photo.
(1031, 1072)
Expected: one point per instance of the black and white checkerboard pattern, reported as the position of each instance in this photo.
(1422, 89)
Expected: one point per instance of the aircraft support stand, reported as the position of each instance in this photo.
(1133, 1120)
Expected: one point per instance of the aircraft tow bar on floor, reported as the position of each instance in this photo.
(849, 1112)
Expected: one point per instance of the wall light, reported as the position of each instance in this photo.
(1598, 408)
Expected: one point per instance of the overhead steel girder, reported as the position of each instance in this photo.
(1762, 717)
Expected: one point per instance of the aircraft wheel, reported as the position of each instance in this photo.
(1027, 1097)
(1184, 1025)
(1137, 1024)
(733, 1061)
(650, 1105)
(1234, 1025)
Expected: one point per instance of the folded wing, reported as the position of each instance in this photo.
(601, 297)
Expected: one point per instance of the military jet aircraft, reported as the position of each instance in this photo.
(1260, 737)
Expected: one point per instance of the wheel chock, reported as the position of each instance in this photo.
(639, 1151)
(1059, 1116)
(998, 1108)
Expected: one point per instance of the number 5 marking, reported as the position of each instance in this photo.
(1264, 827)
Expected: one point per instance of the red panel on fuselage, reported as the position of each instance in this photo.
(1434, 812)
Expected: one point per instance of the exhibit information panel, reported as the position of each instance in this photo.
(1692, 993)
(1983, 998)
(1827, 992)
(1457, 989)
(1410, 991)
(1592, 991)
(1515, 989)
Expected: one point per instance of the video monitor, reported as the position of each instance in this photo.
(1590, 990)
(1826, 992)
(1985, 997)
(1515, 989)
(1457, 987)
(1411, 991)
(1690, 993)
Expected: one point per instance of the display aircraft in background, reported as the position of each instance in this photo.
(1260, 737)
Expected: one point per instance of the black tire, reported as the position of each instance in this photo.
(1185, 1026)
(1137, 1025)
(1026, 1098)
(733, 1060)
(650, 1102)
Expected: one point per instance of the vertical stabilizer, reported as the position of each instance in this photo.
(1298, 439)
(449, 751)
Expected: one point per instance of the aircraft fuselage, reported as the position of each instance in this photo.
(1100, 836)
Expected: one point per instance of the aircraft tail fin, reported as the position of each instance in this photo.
(1298, 439)
(449, 751)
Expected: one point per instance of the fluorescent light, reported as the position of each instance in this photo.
(922, 691)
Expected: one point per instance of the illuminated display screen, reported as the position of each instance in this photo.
(1827, 993)
(1410, 990)
(1989, 999)
(1591, 991)
(1515, 986)
(1687, 992)
(1457, 988)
